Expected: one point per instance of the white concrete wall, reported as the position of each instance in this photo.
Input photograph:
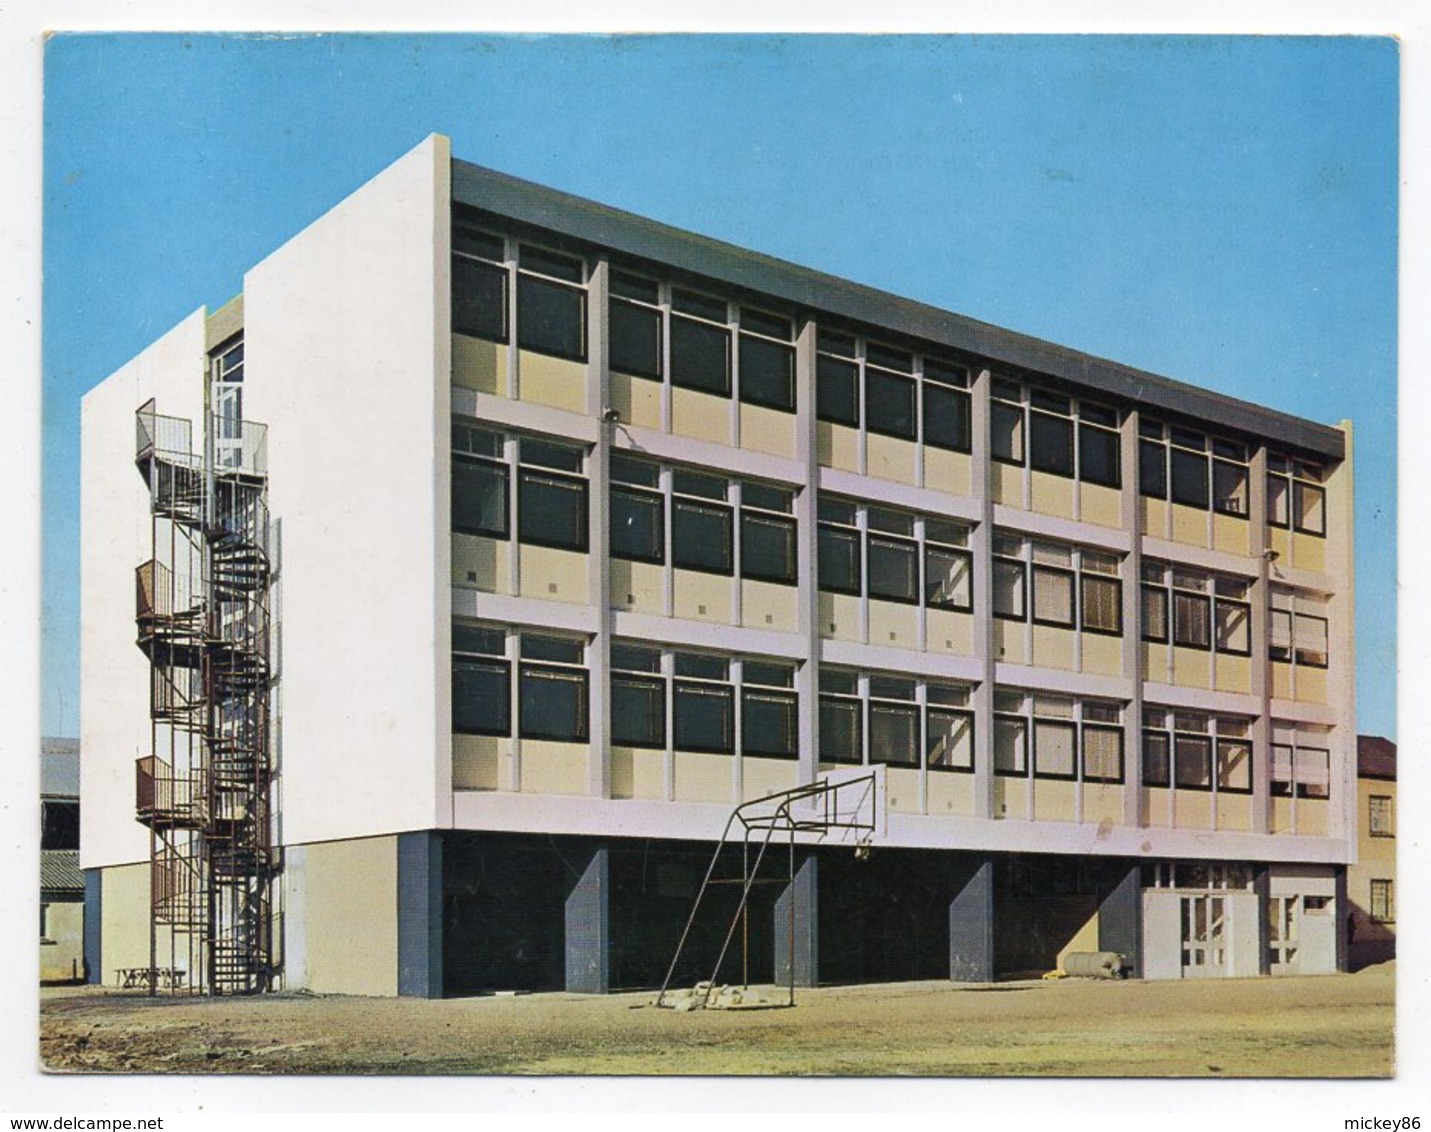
(348, 362)
(114, 539)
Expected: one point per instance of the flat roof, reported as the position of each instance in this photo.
(589, 222)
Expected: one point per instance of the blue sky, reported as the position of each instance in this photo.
(1220, 210)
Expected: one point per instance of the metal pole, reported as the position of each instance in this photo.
(791, 891)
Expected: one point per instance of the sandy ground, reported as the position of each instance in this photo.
(1333, 1026)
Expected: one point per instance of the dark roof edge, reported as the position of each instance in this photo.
(591, 222)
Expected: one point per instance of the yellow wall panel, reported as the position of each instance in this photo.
(479, 365)
(760, 777)
(1231, 534)
(901, 789)
(557, 382)
(350, 901)
(702, 597)
(638, 585)
(1007, 484)
(62, 942)
(1053, 648)
(1189, 525)
(1101, 505)
(839, 616)
(1279, 539)
(1312, 816)
(1155, 516)
(1234, 811)
(1010, 798)
(1155, 806)
(479, 563)
(947, 471)
(703, 778)
(1281, 680)
(637, 773)
(554, 768)
(1054, 801)
(475, 761)
(1234, 673)
(551, 574)
(1102, 655)
(1192, 668)
(767, 430)
(1309, 552)
(1051, 495)
(838, 446)
(637, 399)
(1192, 809)
(1010, 642)
(1102, 802)
(889, 458)
(124, 921)
(1153, 661)
(1312, 685)
(1281, 815)
(951, 793)
(894, 625)
(946, 631)
(700, 415)
(766, 605)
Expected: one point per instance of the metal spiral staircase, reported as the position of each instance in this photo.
(203, 619)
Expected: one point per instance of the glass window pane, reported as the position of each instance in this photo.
(703, 665)
(479, 498)
(1310, 508)
(1155, 613)
(1312, 769)
(1006, 423)
(772, 674)
(840, 730)
(705, 718)
(490, 642)
(839, 560)
(479, 299)
(1191, 616)
(1009, 589)
(700, 356)
(561, 457)
(638, 711)
(551, 511)
(1189, 474)
(1010, 746)
(1229, 488)
(536, 646)
(1052, 597)
(767, 498)
(638, 529)
(1102, 754)
(1054, 749)
(481, 697)
(702, 306)
(701, 536)
(894, 570)
(637, 472)
(481, 244)
(696, 483)
(837, 392)
(1099, 456)
(949, 742)
(1280, 643)
(947, 418)
(831, 343)
(1233, 627)
(1311, 640)
(1277, 495)
(946, 373)
(767, 373)
(894, 734)
(767, 548)
(1156, 758)
(889, 357)
(1193, 763)
(1152, 469)
(1281, 770)
(551, 318)
(550, 263)
(1051, 444)
(761, 322)
(889, 404)
(1234, 766)
(552, 704)
(635, 658)
(948, 579)
(768, 723)
(635, 339)
(635, 287)
(1102, 604)
(843, 680)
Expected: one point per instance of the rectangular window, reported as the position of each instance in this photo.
(1157, 758)
(837, 391)
(551, 509)
(1102, 604)
(700, 351)
(635, 328)
(481, 682)
(702, 535)
(1192, 763)
(1232, 625)
(479, 298)
(1381, 821)
(1102, 753)
(889, 404)
(552, 702)
(1383, 906)
(1006, 424)
(946, 415)
(1010, 601)
(894, 732)
(1309, 509)
(949, 740)
(1229, 488)
(1279, 646)
(1281, 770)
(551, 312)
(1310, 640)
(893, 569)
(1099, 456)
(638, 709)
(1010, 746)
(1191, 621)
(480, 497)
(1234, 766)
(1050, 444)
(1279, 492)
(768, 721)
(1155, 614)
(1189, 476)
(767, 368)
(841, 733)
(704, 711)
(1055, 749)
(948, 579)
(1053, 597)
(638, 524)
(1311, 768)
(841, 563)
(767, 547)
(1153, 469)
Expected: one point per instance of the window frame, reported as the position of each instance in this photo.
(536, 278)
(1386, 825)
(1106, 729)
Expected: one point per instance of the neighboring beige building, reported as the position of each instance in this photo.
(61, 882)
(1371, 882)
(585, 529)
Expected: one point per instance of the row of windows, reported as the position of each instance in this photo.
(552, 688)
(880, 718)
(1039, 734)
(1068, 586)
(548, 494)
(550, 292)
(701, 511)
(1197, 610)
(1294, 496)
(1192, 751)
(1298, 636)
(1051, 432)
(882, 388)
(894, 555)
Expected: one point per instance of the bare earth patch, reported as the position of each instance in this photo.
(1332, 1026)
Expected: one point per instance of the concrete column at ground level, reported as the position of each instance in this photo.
(1120, 919)
(588, 926)
(797, 924)
(1342, 910)
(93, 921)
(1262, 888)
(419, 914)
(971, 922)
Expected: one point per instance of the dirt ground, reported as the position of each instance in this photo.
(1333, 1026)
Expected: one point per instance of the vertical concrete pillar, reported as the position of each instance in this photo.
(588, 926)
(981, 549)
(1262, 888)
(807, 550)
(971, 922)
(93, 921)
(1342, 910)
(1120, 918)
(1131, 513)
(1259, 596)
(598, 653)
(797, 924)
(419, 918)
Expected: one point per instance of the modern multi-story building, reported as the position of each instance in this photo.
(586, 529)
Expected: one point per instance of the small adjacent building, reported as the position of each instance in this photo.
(1371, 882)
(61, 881)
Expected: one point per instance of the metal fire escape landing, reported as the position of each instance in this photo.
(202, 613)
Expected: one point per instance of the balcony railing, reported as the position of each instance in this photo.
(240, 446)
(159, 592)
(170, 438)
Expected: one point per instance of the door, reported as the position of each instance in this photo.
(1204, 936)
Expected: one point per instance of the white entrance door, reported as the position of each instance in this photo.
(1204, 936)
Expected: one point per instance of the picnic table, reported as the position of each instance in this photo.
(130, 977)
